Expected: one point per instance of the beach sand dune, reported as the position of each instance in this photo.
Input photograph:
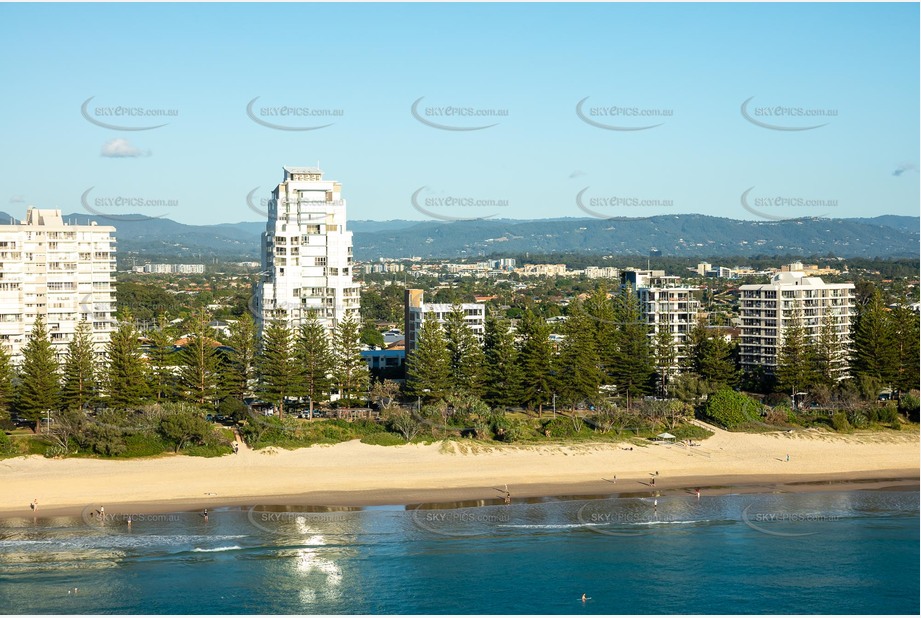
(353, 473)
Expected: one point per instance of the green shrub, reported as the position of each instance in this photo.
(909, 404)
(384, 438)
(144, 445)
(506, 429)
(559, 427)
(731, 409)
(888, 414)
(687, 431)
(207, 450)
(6, 445)
(857, 419)
(777, 399)
(55, 451)
(840, 423)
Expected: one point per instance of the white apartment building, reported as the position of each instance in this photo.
(63, 273)
(542, 270)
(168, 269)
(768, 309)
(416, 311)
(673, 309)
(306, 253)
(601, 272)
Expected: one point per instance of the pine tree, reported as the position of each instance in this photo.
(315, 360)
(875, 346)
(711, 357)
(828, 352)
(906, 325)
(600, 308)
(715, 361)
(276, 364)
(125, 374)
(350, 370)
(632, 369)
(578, 366)
(7, 375)
(162, 358)
(428, 369)
(535, 357)
(502, 374)
(79, 388)
(466, 354)
(694, 346)
(39, 389)
(240, 368)
(795, 364)
(199, 362)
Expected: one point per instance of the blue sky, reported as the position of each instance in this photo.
(690, 65)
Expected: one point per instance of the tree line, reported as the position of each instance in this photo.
(159, 368)
(607, 349)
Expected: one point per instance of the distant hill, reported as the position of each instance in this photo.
(898, 222)
(364, 225)
(675, 235)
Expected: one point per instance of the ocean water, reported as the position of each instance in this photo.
(824, 552)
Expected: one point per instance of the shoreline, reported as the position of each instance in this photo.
(460, 497)
(872, 480)
(352, 474)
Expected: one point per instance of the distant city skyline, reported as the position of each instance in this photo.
(447, 111)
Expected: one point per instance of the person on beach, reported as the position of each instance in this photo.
(788, 456)
(205, 514)
(508, 498)
(698, 493)
(653, 482)
(614, 480)
(32, 506)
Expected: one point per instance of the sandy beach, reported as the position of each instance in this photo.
(355, 474)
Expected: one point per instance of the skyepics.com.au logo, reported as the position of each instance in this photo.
(292, 117)
(122, 522)
(266, 309)
(799, 207)
(450, 207)
(313, 210)
(622, 117)
(125, 207)
(284, 519)
(613, 206)
(455, 117)
(125, 117)
(461, 522)
(785, 523)
(786, 117)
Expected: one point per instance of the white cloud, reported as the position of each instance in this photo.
(119, 147)
(17, 199)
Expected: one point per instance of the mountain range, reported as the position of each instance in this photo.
(161, 239)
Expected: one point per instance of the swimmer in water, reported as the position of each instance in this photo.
(584, 598)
